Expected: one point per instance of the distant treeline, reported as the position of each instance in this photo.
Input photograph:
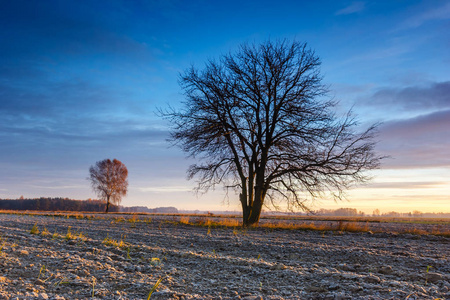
(92, 205)
(353, 212)
(56, 204)
(66, 204)
(145, 209)
(341, 212)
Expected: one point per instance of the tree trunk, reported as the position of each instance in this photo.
(253, 219)
(107, 204)
(251, 216)
(245, 209)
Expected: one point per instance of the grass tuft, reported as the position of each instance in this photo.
(94, 280)
(45, 232)
(155, 261)
(41, 271)
(55, 235)
(115, 243)
(154, 287)
(3, 245)
(34, 229)
(184, 220)
(73, 236)
(128, 253)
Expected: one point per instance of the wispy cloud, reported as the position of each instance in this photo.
(379, 55)
(413, 98)
(69, 30)
(355, 7)
(438, 13)
(419, 142)
(406, 185)
(165, 189)
(59, 187)
(420, 128)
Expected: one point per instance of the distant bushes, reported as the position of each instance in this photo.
(144, 209)
(343, 212)
(353, 212)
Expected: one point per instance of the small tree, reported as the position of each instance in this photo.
(417, 214)
(109, 180)
(259, 122)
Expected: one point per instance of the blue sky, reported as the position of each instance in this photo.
(81, 81)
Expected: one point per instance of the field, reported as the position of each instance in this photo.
(124, 256)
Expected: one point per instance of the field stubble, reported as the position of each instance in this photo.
(120, 256)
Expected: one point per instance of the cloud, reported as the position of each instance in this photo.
(74, 109)
(55, 51)
(423, 127)
(47, 99)
(73, 80)
(165, 189)
(406, 185)
(419, 142)
(124, 132)
(381, 55)
(58, 187)
(413, 98)
(355, 7)
(50, 31)
(79, 139)
(438, 13)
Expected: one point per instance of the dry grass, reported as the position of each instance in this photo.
(435, 231)
(416, 226)
(444, 233)
(74, 236)
(45, 232)
(329, 226)
(184, 220)
(34, 229)
(115, 243)
(206, 221)
(228, 222)
(98, 215)
(277, 224)
(318, 224)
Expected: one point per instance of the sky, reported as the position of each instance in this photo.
(81, 81)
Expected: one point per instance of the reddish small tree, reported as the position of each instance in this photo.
(109, 180)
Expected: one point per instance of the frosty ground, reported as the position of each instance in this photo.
(123, 256)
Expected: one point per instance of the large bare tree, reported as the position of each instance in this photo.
(258, 120)
(109, 180)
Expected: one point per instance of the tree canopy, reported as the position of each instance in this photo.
(109, 180)
(259, 120)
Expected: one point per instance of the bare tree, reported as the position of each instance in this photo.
(109, 180)
(259, 121)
